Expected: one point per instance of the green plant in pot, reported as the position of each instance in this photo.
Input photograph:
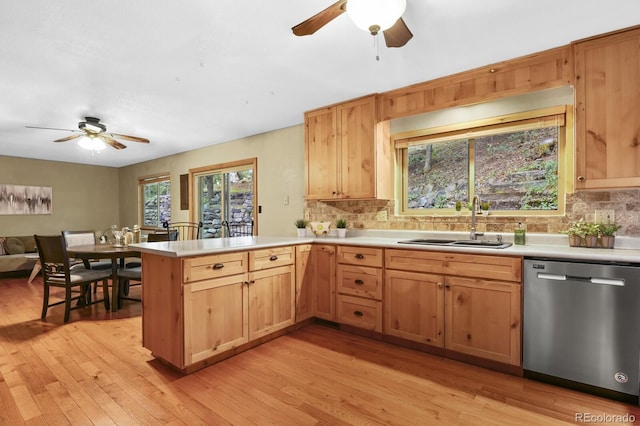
(608, 234)
(576, 232)
(341, 227)
(301, 225)
(592, 231)
(458, 206)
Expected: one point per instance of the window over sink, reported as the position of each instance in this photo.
(513, 163)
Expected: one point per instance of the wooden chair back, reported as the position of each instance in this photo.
(163, 236)
(186, 230)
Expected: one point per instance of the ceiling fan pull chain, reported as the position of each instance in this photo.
(376, 45)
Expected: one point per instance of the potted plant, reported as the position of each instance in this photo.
(341, 227)
(458, 207)
(301, 225)
(592, 231)
(607, 234)
(576, 233)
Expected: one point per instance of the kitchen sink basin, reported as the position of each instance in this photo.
(457, 243)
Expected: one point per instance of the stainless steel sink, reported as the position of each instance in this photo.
(457, 243)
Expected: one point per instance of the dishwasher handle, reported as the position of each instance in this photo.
(592, 280)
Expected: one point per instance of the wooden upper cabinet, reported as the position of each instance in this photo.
(347, 152)
(530, 73)
(607, 84)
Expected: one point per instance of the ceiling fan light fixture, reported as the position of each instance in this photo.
(92, 125)
(373, 16)
(91, 144)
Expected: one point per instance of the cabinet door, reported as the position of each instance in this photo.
(483, 318)
(304, 282)
(356, 129)
(321, 154)
(271, 300)
(215, 317)
(324, 281)
(414, 306)
(607, 111)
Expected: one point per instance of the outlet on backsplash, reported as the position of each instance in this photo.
(605, 216)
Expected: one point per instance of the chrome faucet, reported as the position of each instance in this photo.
(475, 207)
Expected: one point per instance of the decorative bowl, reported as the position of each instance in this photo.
(320, 229)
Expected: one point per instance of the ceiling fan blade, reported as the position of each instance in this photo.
(398, 35)
(129, 138)
(114, 143)
(320, 19)
(68, 138)
(52, 128)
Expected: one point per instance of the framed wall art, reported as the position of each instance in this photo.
(21, 199)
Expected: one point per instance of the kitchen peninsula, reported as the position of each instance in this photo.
(206, 300)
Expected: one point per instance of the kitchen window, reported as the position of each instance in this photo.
(155, 196)
(513, 163)
(225, 192)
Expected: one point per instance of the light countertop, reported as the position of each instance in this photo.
(627, 249)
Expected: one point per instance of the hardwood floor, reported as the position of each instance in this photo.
(93, 370)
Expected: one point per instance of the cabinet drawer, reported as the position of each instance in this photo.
(359, 312)
(364, 256)
(504, 268)
(270, 258)
(207, 267)
(360, 281)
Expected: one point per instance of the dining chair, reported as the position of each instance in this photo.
(57, 272)
(238, 229)
(127, 278)
(186, 230)
(82, 238)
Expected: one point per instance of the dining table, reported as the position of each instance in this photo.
(117, 254)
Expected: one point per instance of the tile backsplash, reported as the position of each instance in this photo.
(380, 214)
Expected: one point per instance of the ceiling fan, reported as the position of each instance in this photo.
(369, 15)
(95, 133)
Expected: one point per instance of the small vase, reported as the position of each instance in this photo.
(342, 232)
(591, 241)
(302, 232)
(575, 241)
(608, 241)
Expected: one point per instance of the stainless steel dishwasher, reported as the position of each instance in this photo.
(581, 324)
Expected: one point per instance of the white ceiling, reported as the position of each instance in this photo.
(200, 72)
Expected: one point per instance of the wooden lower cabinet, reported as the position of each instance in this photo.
(483, 318)
(477, 316)
(216, 317)
(316, 281)
(414, 306)
(360, 312)
(201, 307)
(271, 300)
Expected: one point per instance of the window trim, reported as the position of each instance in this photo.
(561, 114)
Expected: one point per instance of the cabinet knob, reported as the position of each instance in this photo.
(447, 285)
(359, 282)
(580, 178)
(358, 313)
(439, 285)
(359, 256)
(273, 258)
(218, 266)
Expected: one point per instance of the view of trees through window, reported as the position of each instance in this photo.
(225, 195)
(156, 203)
(514, 170)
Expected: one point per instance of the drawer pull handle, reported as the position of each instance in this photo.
(273, 258)
(358, 313)
(217, 266)
(359, 282)
(359, 256)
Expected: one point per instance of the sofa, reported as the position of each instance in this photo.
(17, 253)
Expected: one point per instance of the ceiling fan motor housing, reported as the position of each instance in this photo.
(92, 124)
